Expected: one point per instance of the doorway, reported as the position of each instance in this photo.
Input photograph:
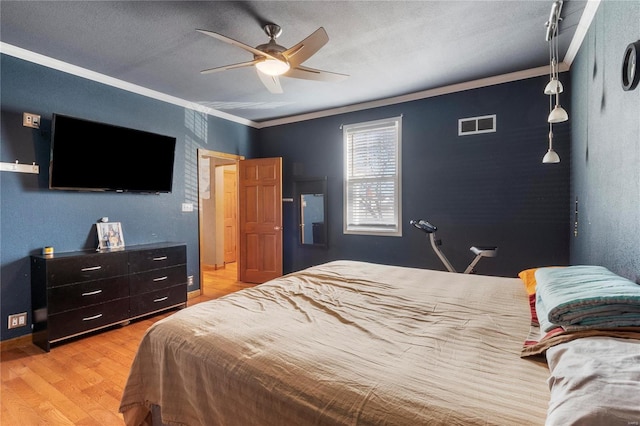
(257, 209)
(217, 216)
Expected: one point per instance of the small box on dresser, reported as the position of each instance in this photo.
(80, 292)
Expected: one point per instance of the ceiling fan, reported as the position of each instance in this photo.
(272, 60)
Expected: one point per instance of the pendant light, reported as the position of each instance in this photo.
(558, 114)
(554, 87)
(551, 156)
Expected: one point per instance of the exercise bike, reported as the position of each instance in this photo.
(480, 252)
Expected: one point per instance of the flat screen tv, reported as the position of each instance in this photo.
(91, 156)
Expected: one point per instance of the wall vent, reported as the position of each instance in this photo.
(477, 125)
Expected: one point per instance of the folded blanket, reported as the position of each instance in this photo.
(585, 297)
(537, 347)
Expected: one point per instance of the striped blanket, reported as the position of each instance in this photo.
(544, 334)
(585, 297)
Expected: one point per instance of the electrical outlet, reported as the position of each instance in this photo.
(190, 280)
(17, 320)
(187, 207)
(30, 120)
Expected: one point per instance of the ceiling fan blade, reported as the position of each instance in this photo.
(236, 43)
(307, 73)
(230, 67)
(306, 48)
(271, 82)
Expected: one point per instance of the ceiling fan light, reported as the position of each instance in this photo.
(554, 86)
(272, 67)
(551, 157)
(558, 115)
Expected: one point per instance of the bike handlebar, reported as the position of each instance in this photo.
(424, 226)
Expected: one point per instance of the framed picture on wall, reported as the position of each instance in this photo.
(110, 235)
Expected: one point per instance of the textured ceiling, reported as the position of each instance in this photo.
(388, 48)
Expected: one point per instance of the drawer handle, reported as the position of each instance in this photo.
(92, 318)
(156, 259)
(161, 278)
(91, 268)
(162, 299)
(92, 293)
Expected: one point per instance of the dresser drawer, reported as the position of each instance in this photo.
(144, 282)
(78, 292)
(157, 300)
(157, 258)
(85, 268)
(81, 320)
(74, 296)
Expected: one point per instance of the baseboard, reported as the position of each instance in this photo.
(193, 294)
(213, 267)
(17, 342)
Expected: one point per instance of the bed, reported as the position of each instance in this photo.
(348, 343)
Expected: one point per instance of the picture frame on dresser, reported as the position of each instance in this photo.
(110, 235)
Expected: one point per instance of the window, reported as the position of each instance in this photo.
(372, 177)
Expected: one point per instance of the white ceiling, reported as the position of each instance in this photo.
(389, 49)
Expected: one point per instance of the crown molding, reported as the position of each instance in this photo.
(439, 91)
(579, 36)
(586, 19)
(56, 64)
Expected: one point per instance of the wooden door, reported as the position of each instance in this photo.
(260, 214)
(230, 215)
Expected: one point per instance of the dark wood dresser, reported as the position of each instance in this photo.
(79, 292)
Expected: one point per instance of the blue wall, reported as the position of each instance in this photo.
(489, 189)
(606, 145)
(484, 189)
(32, 216)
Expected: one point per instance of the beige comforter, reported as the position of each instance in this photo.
(346, 343)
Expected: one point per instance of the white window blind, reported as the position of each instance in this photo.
(372, 177)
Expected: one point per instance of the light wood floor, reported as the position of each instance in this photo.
(80, 382)
(223, 281)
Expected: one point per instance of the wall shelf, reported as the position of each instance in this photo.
(20, 168)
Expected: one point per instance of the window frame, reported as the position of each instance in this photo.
(371, 229)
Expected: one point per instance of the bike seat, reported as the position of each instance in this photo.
(485, 251)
